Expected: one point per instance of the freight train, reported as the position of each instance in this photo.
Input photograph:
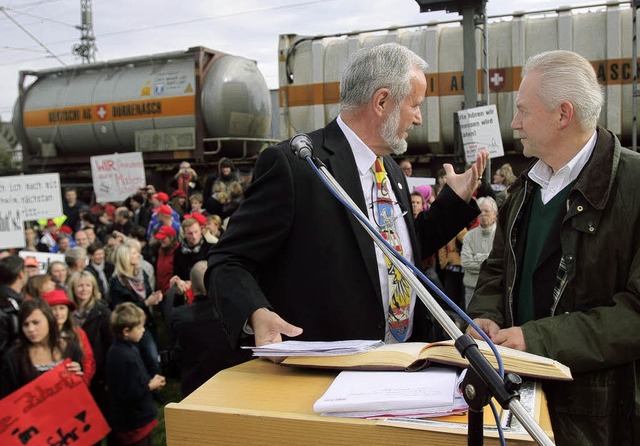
(201, 104)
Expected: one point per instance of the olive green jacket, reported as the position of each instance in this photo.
(593, 319)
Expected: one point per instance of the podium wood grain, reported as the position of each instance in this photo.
(260, 403)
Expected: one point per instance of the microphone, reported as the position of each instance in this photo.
(302, 146)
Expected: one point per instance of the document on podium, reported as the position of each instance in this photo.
(429, 392)
(316, 348)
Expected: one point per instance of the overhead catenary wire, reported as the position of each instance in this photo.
(27, 32)
(39, 17)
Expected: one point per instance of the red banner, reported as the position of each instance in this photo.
(55, 409)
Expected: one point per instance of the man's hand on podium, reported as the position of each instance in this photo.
(268, 328)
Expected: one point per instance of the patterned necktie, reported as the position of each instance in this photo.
(399, 289)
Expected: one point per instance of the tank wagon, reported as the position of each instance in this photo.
(310, 67)
(194, 105)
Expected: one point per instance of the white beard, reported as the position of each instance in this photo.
(389, 133)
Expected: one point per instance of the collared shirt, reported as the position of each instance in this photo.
(365, 158)
(550, 183)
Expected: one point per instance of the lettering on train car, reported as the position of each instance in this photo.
(454, 83)
(144, 108)
(65, 115)
(615, 71)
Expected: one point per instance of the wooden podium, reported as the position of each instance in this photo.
(258, 403)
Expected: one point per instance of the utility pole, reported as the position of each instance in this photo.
(473, 12)
(86, 49)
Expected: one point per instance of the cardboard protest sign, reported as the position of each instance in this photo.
(117, 176)
(25, 198)
(54, 409)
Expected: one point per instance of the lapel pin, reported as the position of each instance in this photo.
(400, 186)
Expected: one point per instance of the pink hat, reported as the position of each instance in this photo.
(164, 232)
(161, 196)
(58, 297)
(163, 209)
(426, 191)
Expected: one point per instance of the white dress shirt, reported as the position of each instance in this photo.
(365, 158)
(550, 183)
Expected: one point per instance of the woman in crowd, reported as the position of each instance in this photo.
(179, 202)
(39, 349)
(428, 196)
(74, 336)
(92, 314)
(131, 284)
(38, 285)
(213, 228)
(32, 241)
(502, 180)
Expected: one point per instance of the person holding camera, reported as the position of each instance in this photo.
(186, 179)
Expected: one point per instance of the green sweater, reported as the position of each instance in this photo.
(541, 221)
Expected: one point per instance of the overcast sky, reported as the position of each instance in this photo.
(39, 34)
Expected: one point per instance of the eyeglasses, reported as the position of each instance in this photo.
(388, 218)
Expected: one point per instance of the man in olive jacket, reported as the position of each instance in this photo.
(563, 277)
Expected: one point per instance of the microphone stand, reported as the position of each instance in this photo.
(482, 380)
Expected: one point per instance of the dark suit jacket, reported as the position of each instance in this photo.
(200, 343)
(293, 248)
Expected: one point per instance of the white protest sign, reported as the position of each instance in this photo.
(117, 176)
(26, 198)
(480, 131)
(414, 182)
(11, 229)
(43, 258)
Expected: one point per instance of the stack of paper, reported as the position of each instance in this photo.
(315, 348)
(432, 392)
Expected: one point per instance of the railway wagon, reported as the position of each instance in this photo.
(310, 67)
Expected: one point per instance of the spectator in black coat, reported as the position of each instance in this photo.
(13, 278)
(200, 342)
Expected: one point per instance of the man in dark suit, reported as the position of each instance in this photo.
(293, 260)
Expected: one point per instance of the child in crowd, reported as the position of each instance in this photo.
(196, 202)
(133, 412)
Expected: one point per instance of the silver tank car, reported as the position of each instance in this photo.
(180, 105)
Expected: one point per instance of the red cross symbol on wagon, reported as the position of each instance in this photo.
(497, 79)
(101, 112)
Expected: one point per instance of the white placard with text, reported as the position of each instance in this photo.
(480, 131)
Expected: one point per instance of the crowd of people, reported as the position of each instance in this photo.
(127, 268)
